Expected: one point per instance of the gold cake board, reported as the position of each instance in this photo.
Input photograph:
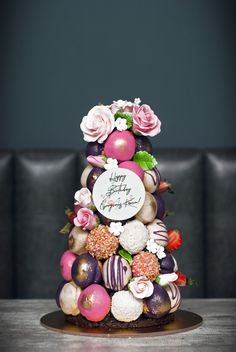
(184, 321)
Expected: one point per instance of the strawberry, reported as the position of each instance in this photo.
(183, 280)
(164, 186)
(70, 215)
(174, 241)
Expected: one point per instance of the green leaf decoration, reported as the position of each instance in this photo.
(126, 255)
(145, 160)
(66, 229)
(125, 115)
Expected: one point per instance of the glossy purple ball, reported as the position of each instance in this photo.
(161, 208)
(86, 270)
(167, 264)
(158, 304)
(94, 148)
(58, 292)
(93, 176)
(143, 144)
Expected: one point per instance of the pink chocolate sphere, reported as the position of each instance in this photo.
(94, 302)
(66, 262)
(120, 145)
(132, 166)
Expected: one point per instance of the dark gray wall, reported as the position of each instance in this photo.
(59, 58)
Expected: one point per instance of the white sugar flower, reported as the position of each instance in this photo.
(160, 253)
(155, 248)
(137, 101)
(116, 228)
(165, 279)
(151, 246)
(121, 124)
(111, 164)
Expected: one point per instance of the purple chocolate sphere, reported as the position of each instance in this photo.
(161, 209)
(93, 176)
(94, 148)
(86, 270)
(143, 144)
(158, 304)
(167, 264)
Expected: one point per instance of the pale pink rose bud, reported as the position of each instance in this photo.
(83, 198)
(96, 161)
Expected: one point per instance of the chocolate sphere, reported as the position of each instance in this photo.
(86, 270)
(77, 240)
(116, 273)
(58, 291)
(84, 175)
(94, 148)
(143, 144)
(158, 304)
(120, 145)
(167, 264)
(161, 209)
(148, 211)
(132, 166)
(93, 176)
(151, 180)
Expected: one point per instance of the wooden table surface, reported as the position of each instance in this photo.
(20, 330)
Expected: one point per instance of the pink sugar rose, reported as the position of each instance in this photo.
(145, 121)
(98, 124)
(86, 219)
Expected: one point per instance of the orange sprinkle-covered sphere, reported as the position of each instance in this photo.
(101, 243)
(145, 263)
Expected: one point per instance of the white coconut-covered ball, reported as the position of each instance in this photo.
(125, 307)
(68, 298)
(134, 237)
(158, 231)
(174, 295)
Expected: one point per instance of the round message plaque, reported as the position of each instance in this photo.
(118, 194)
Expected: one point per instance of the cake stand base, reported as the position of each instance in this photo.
(184, 321)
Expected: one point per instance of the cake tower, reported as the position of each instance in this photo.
(119, 270)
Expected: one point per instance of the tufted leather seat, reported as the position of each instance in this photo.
(36, 186)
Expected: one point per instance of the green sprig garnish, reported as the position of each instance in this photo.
(145, 160)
